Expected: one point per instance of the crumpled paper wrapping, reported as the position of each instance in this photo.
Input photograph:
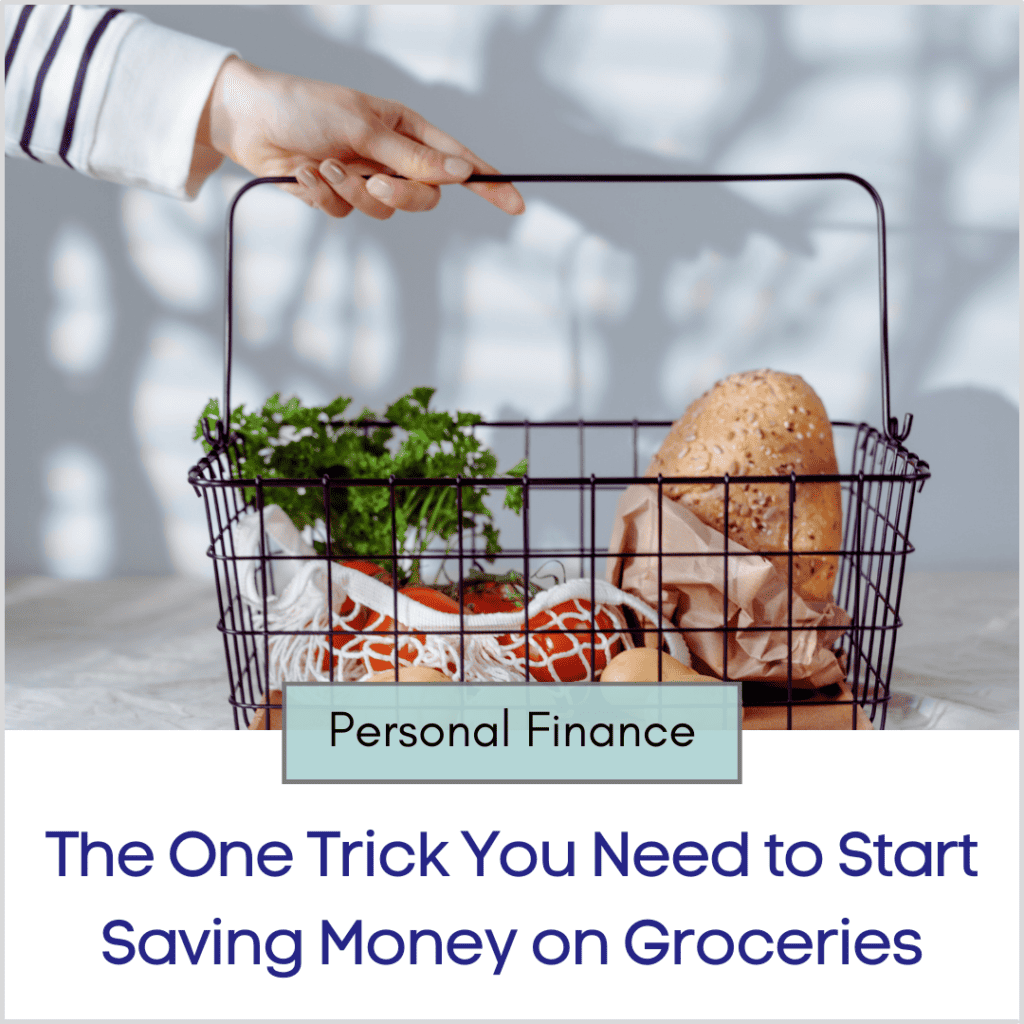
(692, 595)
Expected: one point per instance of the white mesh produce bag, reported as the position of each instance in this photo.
(359, 602)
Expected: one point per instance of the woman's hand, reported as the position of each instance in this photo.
(329, 137)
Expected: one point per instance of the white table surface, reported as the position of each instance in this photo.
(144, 653)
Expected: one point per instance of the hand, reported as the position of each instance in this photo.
(329, 137)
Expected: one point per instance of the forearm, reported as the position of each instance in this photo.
(109, 94)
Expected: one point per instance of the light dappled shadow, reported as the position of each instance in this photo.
(610, 302)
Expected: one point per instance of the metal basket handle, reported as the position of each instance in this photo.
(890, 423)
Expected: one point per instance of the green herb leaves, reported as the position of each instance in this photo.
(286, 441)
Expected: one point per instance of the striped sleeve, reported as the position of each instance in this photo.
(107, 93)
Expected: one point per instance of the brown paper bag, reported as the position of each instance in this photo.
(693, 595)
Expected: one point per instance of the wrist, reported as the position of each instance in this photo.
(232, 97)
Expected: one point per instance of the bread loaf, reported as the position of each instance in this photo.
(761, 423)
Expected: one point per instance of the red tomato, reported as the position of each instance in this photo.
(555, 654)
(560, 656)
(491, 598)
(353, 620)
(348, 605)
(381, 652)
(432, 599)
(343, 635)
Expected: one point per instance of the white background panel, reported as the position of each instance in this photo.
(813, 787)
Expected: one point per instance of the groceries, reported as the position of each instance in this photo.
(565, 643)
(310, 641)
(674, 552)
(287, 441)
(343, 620)
(410, 674)
(646, 665)
(761, 423)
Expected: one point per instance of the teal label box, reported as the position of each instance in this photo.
(511, 732)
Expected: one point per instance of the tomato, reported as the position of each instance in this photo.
(560, 656)
(344, 636)
(354, 620)
(491, 598)
(370, 569)
(560, 639)
(381, 652)
(432, 599)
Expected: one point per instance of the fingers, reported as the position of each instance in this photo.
(397, 161)
(503, 195)
(412, 196)
(337, 189)
(409, 158)
(382, 194)
(352, 189)
(416, 149)
(315, 191)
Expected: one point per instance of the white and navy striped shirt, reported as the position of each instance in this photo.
(107, 93)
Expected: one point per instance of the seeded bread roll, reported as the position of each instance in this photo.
(761, 423)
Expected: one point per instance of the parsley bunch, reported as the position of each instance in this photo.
(286, 440)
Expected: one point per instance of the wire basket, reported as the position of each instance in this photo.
(250, 567)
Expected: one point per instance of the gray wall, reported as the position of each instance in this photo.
(621, 303)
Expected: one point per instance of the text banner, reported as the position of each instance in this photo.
(460, 732)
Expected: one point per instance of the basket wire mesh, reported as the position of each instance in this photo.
(878, 493)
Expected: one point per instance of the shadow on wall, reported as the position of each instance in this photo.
(600, 302)
(967, 515)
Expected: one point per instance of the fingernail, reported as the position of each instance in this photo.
(457, 167)
(306, 176)
(379, 188)
(333, 172)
